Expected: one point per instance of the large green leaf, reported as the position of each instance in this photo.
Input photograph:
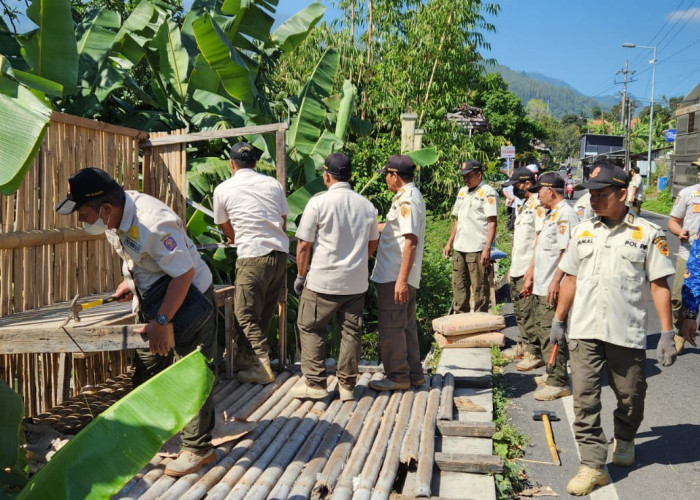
(423, 157)
(253, 18)
(12, 458)
(118, 443)
(299, 198)
(51, 49)
(212, 111)
(345, 110)
(139, 28)
(38, 83)
(96, 34)
(224, 59)
(306, 127)
(8, 44)
(173, 58)
(198, 8)
(290, 34)
(23, 122)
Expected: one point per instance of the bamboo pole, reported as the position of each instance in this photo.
(371, 468)
(131, 484)
(234, 396)
(285, 482)
(426, 458)
(249, 395)
(390, 467)
(223, 390)
(276, 397)
(409, 446)
(343, 488)
(148, 479)
(446, 401)
(254, 403)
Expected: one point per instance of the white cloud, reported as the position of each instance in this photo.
(690, 14)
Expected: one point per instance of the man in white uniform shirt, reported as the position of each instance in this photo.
(340, 226)
(251, 209)
(397, 277)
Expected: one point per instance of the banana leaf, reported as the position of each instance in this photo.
(299, 198)
(345, 110)
(119, 443)
(173, 58)
(423, 157)
(138, 29)
(51, 49)
(253, 18)
(12, 458)
(95, 38)
(291, 33)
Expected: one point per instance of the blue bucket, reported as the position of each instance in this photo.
(661, 183)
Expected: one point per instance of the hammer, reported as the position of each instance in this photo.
(76, 309)
(547, 417)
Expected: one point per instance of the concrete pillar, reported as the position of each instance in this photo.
(408, 128)
(418, 139)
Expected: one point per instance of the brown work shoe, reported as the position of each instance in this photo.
(188, 462)
(417, 382)
(515, 352)
(387, 384)
(541, 380)
(305, 390)
(243, 360)
(529, 362)
(623, 453)
(346, 392)
(261, 373)
(680, 343)
(551, 392)
(586, 480)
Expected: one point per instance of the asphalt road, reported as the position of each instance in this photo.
(667, 444)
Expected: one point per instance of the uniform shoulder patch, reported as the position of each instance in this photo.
(405, 210)
(658, 239)
(491, 200)
(662, 246)
(563, 228)
(170, 244)
(540, 211)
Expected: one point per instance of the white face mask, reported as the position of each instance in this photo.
(98, 227)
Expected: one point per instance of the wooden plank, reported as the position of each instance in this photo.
(87, 339)
(468, 462)
(39, 237)
(212, 134)
(466, 429)
(96, 125)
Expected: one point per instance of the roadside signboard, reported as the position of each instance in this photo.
(670, 135)
(507, 151)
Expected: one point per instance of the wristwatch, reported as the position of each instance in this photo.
(162, 319)
(690, 314)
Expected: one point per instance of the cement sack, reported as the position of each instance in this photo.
(463, 323)
(471, 340)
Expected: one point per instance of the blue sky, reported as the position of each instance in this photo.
(580, 42)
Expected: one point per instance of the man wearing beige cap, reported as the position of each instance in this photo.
(397, 276)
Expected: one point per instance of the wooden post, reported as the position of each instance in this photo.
(228, 320)
(281, 168)
(408, 128)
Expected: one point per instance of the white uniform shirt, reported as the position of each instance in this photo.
(583, 207)
(473, 208)
(687, 207)
(152, 241)
(611, 266)
(340, 222)
(553, 238)
(255, 204)
(635, 181)
(524, 232)
(406, 216)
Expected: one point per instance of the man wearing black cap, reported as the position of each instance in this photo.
(684, 221)
(251, 209)
(473, 233)
(552, 240)
(524, 234)
(397, 277)
(609, 261)
(152, 241)
(341, 228)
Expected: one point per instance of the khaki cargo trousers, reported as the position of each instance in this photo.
(676, 295)
(469, 282)
(316, 311)
(544, 314)
(525, 316)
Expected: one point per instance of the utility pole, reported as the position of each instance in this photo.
(624, 114)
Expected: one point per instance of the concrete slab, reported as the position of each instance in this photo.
(458, 444)
(479, 396)
(470, 367)
(461, 485)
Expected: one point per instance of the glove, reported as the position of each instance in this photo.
(666, 349)
(299, 284)
(557, 334)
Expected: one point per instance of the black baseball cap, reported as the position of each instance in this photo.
(604, 176)
(398, 164)
(550, 179)
(85, 185)
(245, 152)
(520, 175)
(338, 165)
(469, 166)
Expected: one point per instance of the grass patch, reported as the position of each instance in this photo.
(659, 202)
(508, 442)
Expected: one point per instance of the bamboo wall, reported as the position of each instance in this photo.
(44, 261)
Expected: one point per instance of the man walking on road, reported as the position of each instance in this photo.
(397, 277)
(552, 241)
(635, 191)
(473, 233)
(609, 261)
(341, 228)
(251, 209)
(683, 222)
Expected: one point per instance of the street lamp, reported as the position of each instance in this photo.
(651, 100)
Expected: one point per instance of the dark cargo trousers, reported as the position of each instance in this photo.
(626, 372)
(196, 435)
(259, 283)
(544, 314)
(316, 311)
(525, 316)
(469, 282)
(398, 335)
